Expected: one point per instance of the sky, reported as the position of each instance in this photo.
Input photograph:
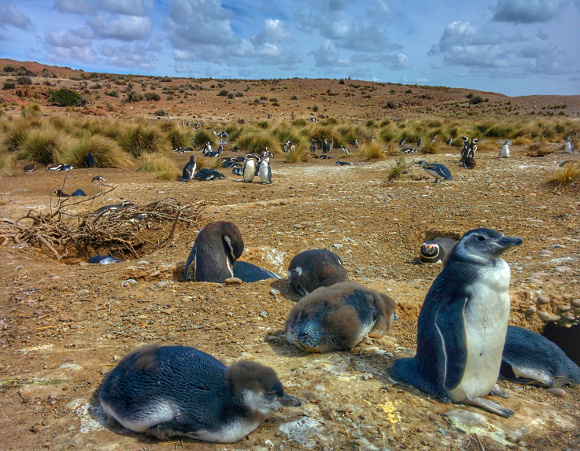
(514, 47)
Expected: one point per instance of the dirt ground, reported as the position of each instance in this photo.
(64, 325)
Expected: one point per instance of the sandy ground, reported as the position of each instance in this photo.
(64, 325)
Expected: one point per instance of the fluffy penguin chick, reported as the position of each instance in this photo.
(338, 317)
(167, 391)
(529, 357)
(463, 324)
(215, 251)
(315, 268)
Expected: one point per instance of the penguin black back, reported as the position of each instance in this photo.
(315, 268)
(90, 160)
(215, 250)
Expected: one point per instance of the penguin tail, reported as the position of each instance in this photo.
(407, 371)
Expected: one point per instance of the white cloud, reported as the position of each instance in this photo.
(124, 28)
(400, 62)
(74, 6)
(128, 55)
(526, 11)
(126, 7)
(65, 38)
(327, 55)
(10, 15)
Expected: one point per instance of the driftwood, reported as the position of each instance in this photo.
(122, 231)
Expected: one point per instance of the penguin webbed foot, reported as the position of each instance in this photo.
(497, 391)
(163, 431)
(490, 406)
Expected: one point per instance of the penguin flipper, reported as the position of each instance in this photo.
(190, 260)
(449, 324)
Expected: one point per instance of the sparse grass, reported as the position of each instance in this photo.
(162, 166)
(297, 155)
(400, 167)
(7, 162)
(566, 175)
(108, 153)
(371, 151)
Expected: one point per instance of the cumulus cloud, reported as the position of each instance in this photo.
(401, 61)
(128, 55)
(327, 55)
(10, 15)
(123, 28)
(126, 7)
(526, 11)
(65, 38)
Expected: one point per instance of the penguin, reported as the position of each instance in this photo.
(238, 171)
(325, 157)
(29, 168)
(338, 317)
(205, 174)
(325, 146)
(66, 167)
(464, 150)
(315, 268)
(357, 143)
(344, 150)
(472, 149)
(249, 170)
(439, 171)
(437, 250)
(568, 145)
(449, 141)
(505, 150)
(167, 391)
(113, 207)
(78, 192)
(98, 178)
(215, 251)
(90, 160)
(239, 159)
(419, 142)
(265, 171)
(530, 358)
(59, 193)
(402, 141)
(463, 323)
(312, 145)
(54, 167)
(343, 163)
(103, 259)
(247, 272)
(189, 170)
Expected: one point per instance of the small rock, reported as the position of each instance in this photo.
(543, 299)
(18, 267)
(546, 253)
(274, 292)
(233, 281)
(264, 313)
(36, 428)
(548, 317)
(558, 246)
(82, 292)
(534, 280)
(557, 392)
(575, 303)
(562, 269)
(128, 282)
(532, 309)
(464, 419)
(337, 246)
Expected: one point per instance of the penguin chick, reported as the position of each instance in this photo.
(215, 250)
(462, 325)
(529, 357)
(437, 250)
(167, 391)
(315, 268)
(338, 317)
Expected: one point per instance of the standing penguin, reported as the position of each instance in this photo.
(167, 391)
(189, 170)
(265, 171)
(215, 251)
(505, 150)
(90, 160)
(315, 268)
(249, 169)
(464, 150)
(463, 323)
(568, 145)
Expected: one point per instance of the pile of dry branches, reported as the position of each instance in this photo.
(122, 230)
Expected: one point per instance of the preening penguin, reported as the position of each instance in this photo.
(189, 170)
(437, 250)
(463, 323)
(529, 358)
(315, 268)
(338, 317)
(167, 391)
(215, 251)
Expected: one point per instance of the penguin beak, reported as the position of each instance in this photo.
(505, 242)
(288, 400)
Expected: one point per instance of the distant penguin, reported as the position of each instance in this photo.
(568, 145)
(113, 207)
(463, 323)
(29, 168)
(464, 150)
(530, 358)
(98, 178)
(103, 259)
(419, 142)
(344, 150)
(325, 157)
(437, 250)
(54, 167)
(357, 143)
(343, 163)
(59, 193)
(247, 272)
(315, 268)
(249, 169)
(449, 141)
(265, 171)
(505, 150)
(402, 141)
(66, 167)
(439, 171)
(215, 251)
(78, 192)
(189, 170)
(205, 174)
(472, 148)
(167, 391)
(90, 160)
(238, 171)
(338, 317)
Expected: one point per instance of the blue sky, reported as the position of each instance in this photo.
(515, 47)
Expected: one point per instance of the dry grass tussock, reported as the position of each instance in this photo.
(108, 153)
(371, 151)
(162, 166)
(566, 175)
(297, 155)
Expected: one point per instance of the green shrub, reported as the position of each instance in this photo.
(9, 85)
(202, 137)
(399, 168)
(24, 80)
(297, 155)
(65, 97)
(153, 97)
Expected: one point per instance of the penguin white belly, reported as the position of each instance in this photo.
(264, 173)
(233, 432)
(534, 374)
(485, 322)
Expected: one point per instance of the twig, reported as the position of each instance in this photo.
(47, 244)
(479, 443)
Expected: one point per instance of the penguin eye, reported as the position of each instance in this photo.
(481, 238)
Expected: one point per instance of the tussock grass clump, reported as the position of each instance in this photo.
(399, 168)
(44, 145)
(111, 128)
(162, 166)
(202, 137)
(371, 151)
(15, 134)
(31, 110)
(7, 163)
(108, 153)
(201, 162)
(257, 141)
(566, 175)
(431, 147)
(140, 139)
(297, 155)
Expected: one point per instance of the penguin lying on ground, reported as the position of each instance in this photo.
(29, 168)
(338, 317)
(463, 323)
(205, 174)
(247, 272)
(215, 251)
(437, 250)
(113, 207)
(167, 391)
(103, 259)
(531, 358)
(315, 268)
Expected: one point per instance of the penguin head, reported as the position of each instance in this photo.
(127, 203)
(258, 388)
(232, 239)
(429, 252)
(485, 244)
(465, 138)
(474, 141)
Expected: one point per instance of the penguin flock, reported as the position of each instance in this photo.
(464, 343)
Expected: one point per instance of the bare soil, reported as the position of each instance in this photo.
(64, 324)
